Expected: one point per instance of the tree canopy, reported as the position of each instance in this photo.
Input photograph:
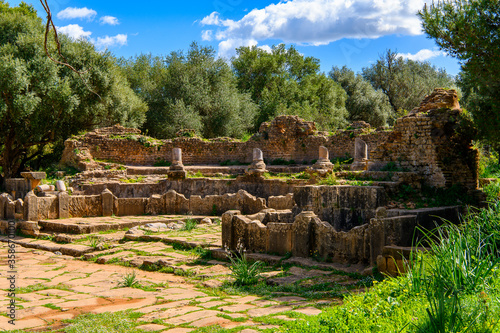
(190, 91)
(405, 82)
(285, 82)
(42, 103)
(470, 31)
(363, 101)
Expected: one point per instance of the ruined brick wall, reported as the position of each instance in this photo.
(286, 137)
(430, 141)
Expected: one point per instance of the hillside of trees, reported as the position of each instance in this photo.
(43, 103)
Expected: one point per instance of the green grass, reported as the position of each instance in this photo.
(244, 272)
(492, 190)
(117, 322)
(455, 287)
(189, 225)
(330, 179)
(51, 306)
(39, 287)
(129, 280)
(488, 165)
(133, 180)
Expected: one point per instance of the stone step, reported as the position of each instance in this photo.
(97, 224)
(170, 240)
(212, 170)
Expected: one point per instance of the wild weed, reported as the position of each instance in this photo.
(189, 225)
(244, 272)
(129, 280)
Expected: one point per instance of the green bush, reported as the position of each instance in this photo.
(244, 272)
(488, 165)
(189, 225)
(454, 287)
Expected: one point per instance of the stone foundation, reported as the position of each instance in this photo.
(62, 205)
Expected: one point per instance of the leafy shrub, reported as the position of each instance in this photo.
(492, 191)
(488, 165)
(189, 225)
(243, 272)
(129, 280)
(331, 179)
(391, 166)
(160, 163)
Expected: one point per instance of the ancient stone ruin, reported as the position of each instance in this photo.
(352, 221)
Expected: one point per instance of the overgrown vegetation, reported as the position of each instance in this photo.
(243, 271)
(452, 288)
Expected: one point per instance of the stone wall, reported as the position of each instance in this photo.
(308, 236)
(62, 205)
(344, 207)
(430, 141)
(286, 137)
(262, 188)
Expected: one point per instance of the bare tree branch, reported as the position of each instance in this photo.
(50, 25)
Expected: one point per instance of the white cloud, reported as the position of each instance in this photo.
(207, 35)
(76, 13)
(422, 55)
(266, 48)
(227, 48)
(107, 41)
(111, 20)
(319, 22)
(212, 19)
(74, 31)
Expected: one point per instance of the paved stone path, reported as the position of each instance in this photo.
(181, 298)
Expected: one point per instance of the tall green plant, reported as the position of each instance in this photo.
(460, 267)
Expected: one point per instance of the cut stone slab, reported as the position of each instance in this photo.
(190, 317)
(151, 327)
(237, 307)
(290, 299)
(211, 304)
(310, 311)
(210, 321)
(178, 330)
(177, 311)
(268, 311)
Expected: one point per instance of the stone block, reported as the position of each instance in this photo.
(381, 264)
(11, 210)
(131, 206)
(175, 203)
(19, 212)
(107, 202)
(155, 205)
(239, 233)
(63, 205)
(227, 227)
(392, 268)
(31, 207)
(257, 237)
(251, 204)
(303, 234)
(4, 198)
(281, 202)
(279, 238)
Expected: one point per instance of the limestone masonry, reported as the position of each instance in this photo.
(427, 141)
(351, 220)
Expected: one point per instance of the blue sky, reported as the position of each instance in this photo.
(337, 32)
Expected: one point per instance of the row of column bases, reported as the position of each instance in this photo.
(258, 167)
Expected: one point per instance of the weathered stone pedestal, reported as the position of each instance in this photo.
(176, 170)
(258, 167)
(323, 165)
(35, 178)
(361, 161)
